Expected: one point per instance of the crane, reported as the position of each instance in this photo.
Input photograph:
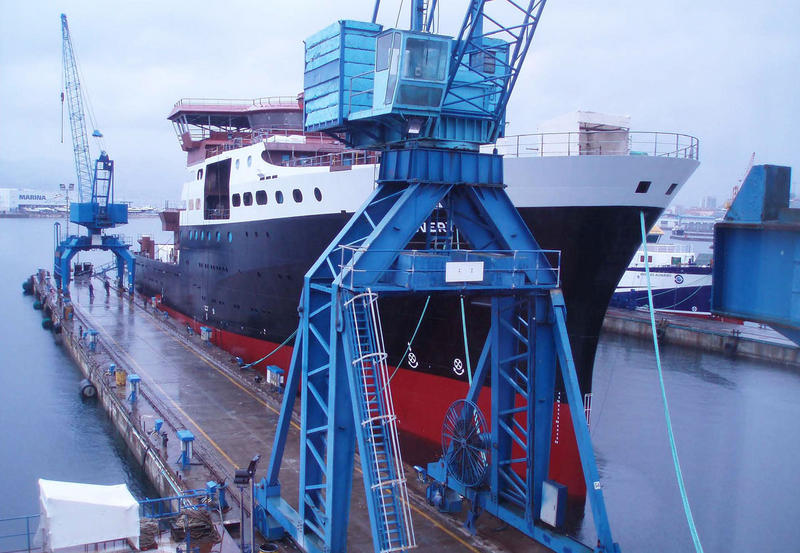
(427, 102)
(96, 209)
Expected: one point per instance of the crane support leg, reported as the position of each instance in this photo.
(339, 363)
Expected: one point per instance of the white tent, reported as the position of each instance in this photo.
(77, 514)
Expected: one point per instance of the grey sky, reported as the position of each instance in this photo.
(724, 71)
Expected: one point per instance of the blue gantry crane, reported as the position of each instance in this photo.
(756, 270)
(96, 209)
(427, 102)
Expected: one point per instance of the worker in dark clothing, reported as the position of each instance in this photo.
(91, 291)
(107, 286)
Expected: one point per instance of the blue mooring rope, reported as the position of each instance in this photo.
(466, 344)
(686, 508)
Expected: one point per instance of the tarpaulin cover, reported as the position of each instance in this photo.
(76, 514)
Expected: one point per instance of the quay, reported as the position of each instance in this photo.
(729, 338)
(190, 384)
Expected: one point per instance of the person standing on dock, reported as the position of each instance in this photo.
(106, 285)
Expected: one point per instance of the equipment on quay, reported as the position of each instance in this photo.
(95, 210)
(187, 447)
(428, 102)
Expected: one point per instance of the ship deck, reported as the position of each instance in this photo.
(194, 385)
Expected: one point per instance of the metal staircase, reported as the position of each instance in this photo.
(377, 433)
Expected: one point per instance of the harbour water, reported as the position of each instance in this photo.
(734, 421)
(46, 431)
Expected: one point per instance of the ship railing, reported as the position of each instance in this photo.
(17, 534)
(218, 213)
(266, 101)
(598, 143)
(338, 159)
(428, 268)
(669, 248)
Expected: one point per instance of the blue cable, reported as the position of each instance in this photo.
(686, 508)
(466, 344)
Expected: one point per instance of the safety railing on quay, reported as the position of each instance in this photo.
(17, 534)
(599, 143)
(519, 267)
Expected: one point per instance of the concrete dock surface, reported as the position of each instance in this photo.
(233, 415)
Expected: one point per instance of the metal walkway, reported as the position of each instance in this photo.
(234, 418)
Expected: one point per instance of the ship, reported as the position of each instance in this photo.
(263, 199)
(680, 279)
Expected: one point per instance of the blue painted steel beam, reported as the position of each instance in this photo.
(579, 423)
(756, 272)
(70, 246)
(336, 410)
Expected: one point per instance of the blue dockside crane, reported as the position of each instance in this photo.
(756, 272)
(95, 209)
(427, 102)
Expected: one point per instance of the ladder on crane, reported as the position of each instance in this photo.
(377, 432)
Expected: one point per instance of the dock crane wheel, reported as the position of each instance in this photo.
(466, 443)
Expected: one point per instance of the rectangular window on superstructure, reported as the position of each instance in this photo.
(236, 200)
(247, 198)
(261, 197)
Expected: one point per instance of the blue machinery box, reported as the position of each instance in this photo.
(335, 57)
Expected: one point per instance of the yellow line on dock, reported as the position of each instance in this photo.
(216, 446)
(152, 381)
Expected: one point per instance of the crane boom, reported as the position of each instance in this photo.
(77, 122)
(490, 49)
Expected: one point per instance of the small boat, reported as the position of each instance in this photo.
(680, 279)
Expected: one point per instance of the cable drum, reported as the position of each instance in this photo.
(466, 443)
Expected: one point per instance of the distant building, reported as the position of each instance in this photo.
(22, 200)
(709, 202)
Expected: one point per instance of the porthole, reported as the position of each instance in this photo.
(297, 195)
(318, 194)
(219, 236)
(199, 174)
(236, 200)
(247, 198)
(249, 161)
(191, 205)
(261, 197)
(279, 196)
(237, 164)
(230, 237)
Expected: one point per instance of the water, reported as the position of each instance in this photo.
(734, 420)
(735, 424)
(46, 431)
